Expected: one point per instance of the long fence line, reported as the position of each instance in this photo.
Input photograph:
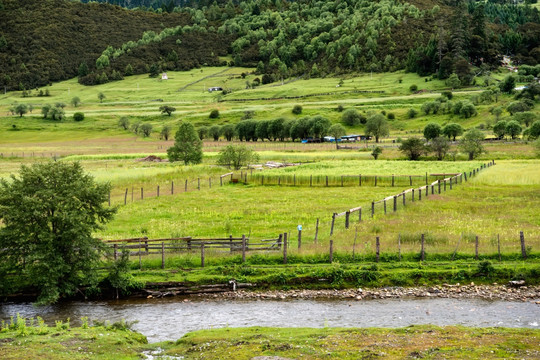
(144, 246)
(307, 95)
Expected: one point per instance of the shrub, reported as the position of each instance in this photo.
(297, 109)
(78, 116)
(412, 113)
(413, 88)
(351, 117)
(391, 116)
(214, 114)
(447, 94)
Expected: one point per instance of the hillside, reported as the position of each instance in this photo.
(52, 40)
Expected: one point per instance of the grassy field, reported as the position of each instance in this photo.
(110, 342)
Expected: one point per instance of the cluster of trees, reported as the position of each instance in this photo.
(280, 38)
(463, 108)
(470, 143)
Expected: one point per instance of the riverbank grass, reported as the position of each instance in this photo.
(38, 341)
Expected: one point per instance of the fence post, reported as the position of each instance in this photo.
(523, 249)
(310, 180)
(158, 191)
(279, 180)
(426, 179)
(172, 187)
(395, 203)
(375, 180)
(360, 215)
(331, 251)
(384, 202)
(444, 187)
(399, 246)
(326, 180)
(294, 180)
(347, 215)
(360, 180)
(189, 244)
(439, 186)
(243, 249)
(341, 180)
(433, 189)
(451, 183)
(285, 248)
(476, 248)
(230, 242)
(333, 221)
(185, 187)
(410, 180)
(125, 196)
(413, 195)
(392, 180)
(372, 209)
(202, 255)
(299, 239)
(220, 181)
(377, 248)
(142, 193)
(198, 183)
(316, 230)
(140, 261)
(422, 253)
(419, 194)
(162, 255)
(403, 194)
(115, 246)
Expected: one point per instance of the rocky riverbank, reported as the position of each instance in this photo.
(487, 292)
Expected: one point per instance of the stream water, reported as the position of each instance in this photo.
(170, 318)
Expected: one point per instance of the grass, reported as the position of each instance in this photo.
(426, 341)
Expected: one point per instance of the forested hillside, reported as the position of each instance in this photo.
(51, 40)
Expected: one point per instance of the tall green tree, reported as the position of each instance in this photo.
(413, 148)
(432, 130)
(377, 126)
(187, 145)
(452, 130)
(337, 131)
(49, 212)
(236, 156)
(471, 143)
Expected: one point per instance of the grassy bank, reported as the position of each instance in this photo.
(116, 342)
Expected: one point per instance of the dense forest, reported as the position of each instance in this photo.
(51, 40)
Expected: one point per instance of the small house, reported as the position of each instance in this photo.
(164, 76)
(215, 88)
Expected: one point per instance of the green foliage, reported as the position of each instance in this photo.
(49, 213)
(75, 101)
(228, 131)
(499, 129)
(413, 88)
(440, 146)
(78, 116)
(518, 106)
(432, 130)
(166, 109)
(101, 97)
(534, 132)
(21, 109)
(377, 151)
(352, 117)
(236, 156)
(146, 129)
(202, 131)
(214, 114)
(214, 132)
(123, 122)
(297, 109)
(413, 148)
(377, 126)
(452, 130)
(508, 84)
(337, 131)
(165, 132)
(453, 81)
(412, 113)
(471, 143)
(526, 118)
(513, 128)
(536, 145)
(187, 145)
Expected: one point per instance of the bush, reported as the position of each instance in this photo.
(214, 114)
(413, 88)
(412, 113)
(340, 108)
(78, 116)
(447, 94)
(297, 109)
(351, 117)
(391, 116)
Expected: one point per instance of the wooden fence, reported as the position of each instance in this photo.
(144, 246)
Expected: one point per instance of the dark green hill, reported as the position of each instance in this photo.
(44, 41)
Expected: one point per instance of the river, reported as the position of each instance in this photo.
(170, 318)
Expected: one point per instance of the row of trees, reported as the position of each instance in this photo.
(470, 143)
(282, 129)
